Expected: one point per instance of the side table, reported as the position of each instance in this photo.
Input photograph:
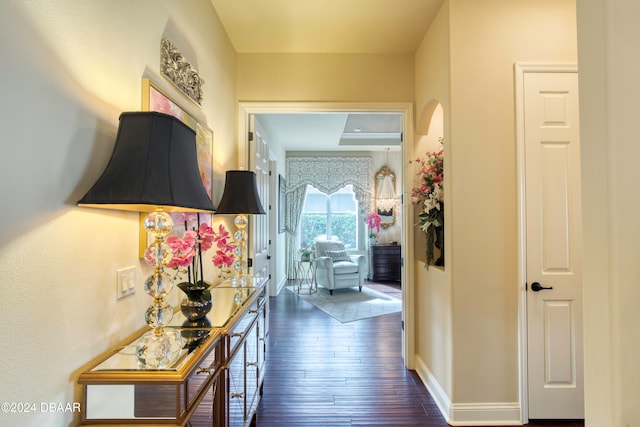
(385, 263)
(306, 277)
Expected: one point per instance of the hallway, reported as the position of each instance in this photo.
(323, 373)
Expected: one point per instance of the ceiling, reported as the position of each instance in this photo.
(326, 26)
(335, 131)
(329, 26)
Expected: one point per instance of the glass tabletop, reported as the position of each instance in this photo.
(227, 302)
(125, 359)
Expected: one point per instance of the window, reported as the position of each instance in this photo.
(330, 216)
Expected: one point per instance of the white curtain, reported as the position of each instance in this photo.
(327, 174)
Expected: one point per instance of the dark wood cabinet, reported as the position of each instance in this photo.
(385, 263)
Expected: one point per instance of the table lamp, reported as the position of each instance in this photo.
(153, 168)
(240, 198)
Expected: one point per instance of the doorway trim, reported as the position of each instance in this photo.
(520, 69)
(247, 108)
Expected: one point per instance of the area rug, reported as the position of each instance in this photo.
(348, 305)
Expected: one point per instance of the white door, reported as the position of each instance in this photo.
(553, 245)
(259, 163)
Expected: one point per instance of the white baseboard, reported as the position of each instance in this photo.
(437, 392)
(279, 287)
(468, 414)
(485, 414)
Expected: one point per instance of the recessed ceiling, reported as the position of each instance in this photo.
(326, 26)
(334, 131)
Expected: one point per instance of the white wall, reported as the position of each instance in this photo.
(69, 69)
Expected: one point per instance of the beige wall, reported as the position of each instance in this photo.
(609, 67)
(485, 40)
(325, 77)
(485, 44)
(69, 69)
(433, 287)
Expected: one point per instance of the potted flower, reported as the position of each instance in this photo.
(373, 222)
(224, 256)
(306, 253)
(187, 259)
(428, 195)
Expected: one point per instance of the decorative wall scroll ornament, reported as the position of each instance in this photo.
(175, 67)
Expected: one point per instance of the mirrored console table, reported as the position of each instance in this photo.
(216, 379)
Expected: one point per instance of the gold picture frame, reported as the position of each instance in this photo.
(156, 99)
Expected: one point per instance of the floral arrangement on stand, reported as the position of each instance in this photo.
(428, 194)
(373, 222)
(187, 260)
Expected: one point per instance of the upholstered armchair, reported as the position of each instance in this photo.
(335, 269)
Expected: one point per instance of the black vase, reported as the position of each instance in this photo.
(439, 243)
(195, 309)
(194, 332)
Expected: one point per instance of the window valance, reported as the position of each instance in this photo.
(330, 174)
(327, 174)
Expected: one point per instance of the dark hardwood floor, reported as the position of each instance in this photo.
(323, 373)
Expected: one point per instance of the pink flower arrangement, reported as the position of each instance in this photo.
(224, 253)
(428, 194)
(373, 222)
(188, 249)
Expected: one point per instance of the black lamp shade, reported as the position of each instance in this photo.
(153, 166)
(240, 196)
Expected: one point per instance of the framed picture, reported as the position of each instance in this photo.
(282, 198)
(155, 99)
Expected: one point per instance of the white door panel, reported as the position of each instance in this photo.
(259, 163)
(553, 245)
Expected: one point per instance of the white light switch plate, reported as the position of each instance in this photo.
(125, 282)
